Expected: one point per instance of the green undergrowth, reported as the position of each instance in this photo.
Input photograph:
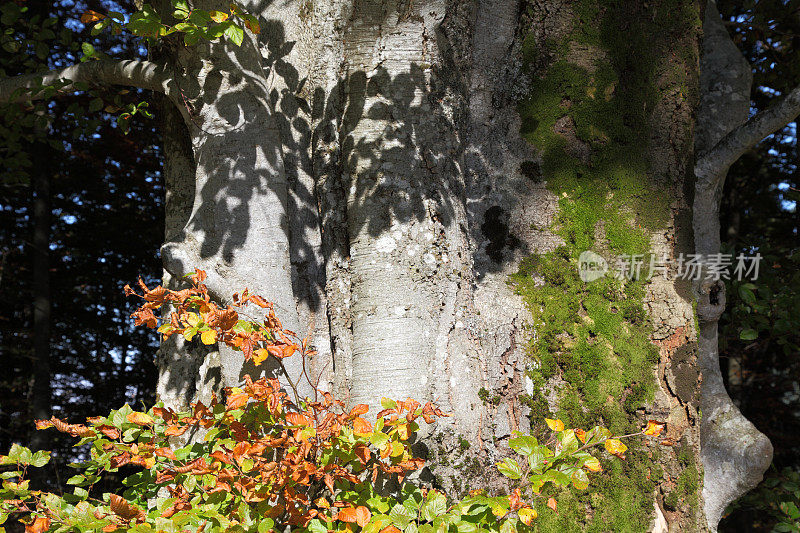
(588, 116)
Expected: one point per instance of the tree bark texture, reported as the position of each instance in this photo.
(381, 169)
(735, 454)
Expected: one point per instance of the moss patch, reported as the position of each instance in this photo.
(589, 116)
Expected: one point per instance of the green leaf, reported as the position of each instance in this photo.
(435, 506)
(401, 516)
(40, 458)
(77, 479)
(524, 444)
(580, 480)
(95, 105)
(748, 334)
(234, 33)
(510, 468)
(87, 49)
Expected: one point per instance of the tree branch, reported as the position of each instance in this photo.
(740, 139)
(142, 74)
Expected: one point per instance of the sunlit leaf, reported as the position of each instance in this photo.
(654, 428)
(527, 515)
(140, 419)
(616, 447)
(555, 425)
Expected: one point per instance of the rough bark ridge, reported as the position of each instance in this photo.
(735, 454)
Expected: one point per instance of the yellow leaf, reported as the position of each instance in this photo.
(209, 336)
(140, 419)
(192, 319)
(260, 355)
(555, 425)
(527, 515)
(189, 334)
(654, 428)
(593, 464)
(218, 16)
(615, 447)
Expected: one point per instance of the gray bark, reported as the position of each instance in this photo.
(734, 453)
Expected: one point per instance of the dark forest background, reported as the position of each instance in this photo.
(81, 215)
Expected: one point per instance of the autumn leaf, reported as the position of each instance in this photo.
(260, 355)
(527, 515)
(616, 447)
(175, 431)
(654, 428)
(362, 452)
(109, 431)
(551, 503)
(361, 427)
(555, 425)
(593, 464)
(209, 336)
(363, 516)
(358, 410)
(581, 434)
(123, 509)
(218, 16)
(140, 419)
(251, 23)
(90, 16)
(390, 529)
(296, 419)
(165, 452)
(40, 524)
(348, 514)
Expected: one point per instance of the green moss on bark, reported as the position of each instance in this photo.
(589, 116)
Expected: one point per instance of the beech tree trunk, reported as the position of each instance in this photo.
(414, 184)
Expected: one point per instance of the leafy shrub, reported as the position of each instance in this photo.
(260, 460)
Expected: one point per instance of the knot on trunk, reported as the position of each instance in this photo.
(710, 297)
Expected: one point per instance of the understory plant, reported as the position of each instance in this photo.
(262, 459)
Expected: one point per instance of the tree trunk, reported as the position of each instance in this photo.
(381, 169)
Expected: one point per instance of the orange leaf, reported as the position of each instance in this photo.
(362, 452)
(348, 514)
(361, 427)
(237, 400)
(91, 16)
(363, 516)
(109, 431)
(123, 509)
(515, 500)
(140, 419)
(551, 503)
(654, 428)
(174, 431)
(165, 452)
(555, 425)
(390, 529)
(40, 524)
(581, 434)
(359, 410)
(296, 419)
